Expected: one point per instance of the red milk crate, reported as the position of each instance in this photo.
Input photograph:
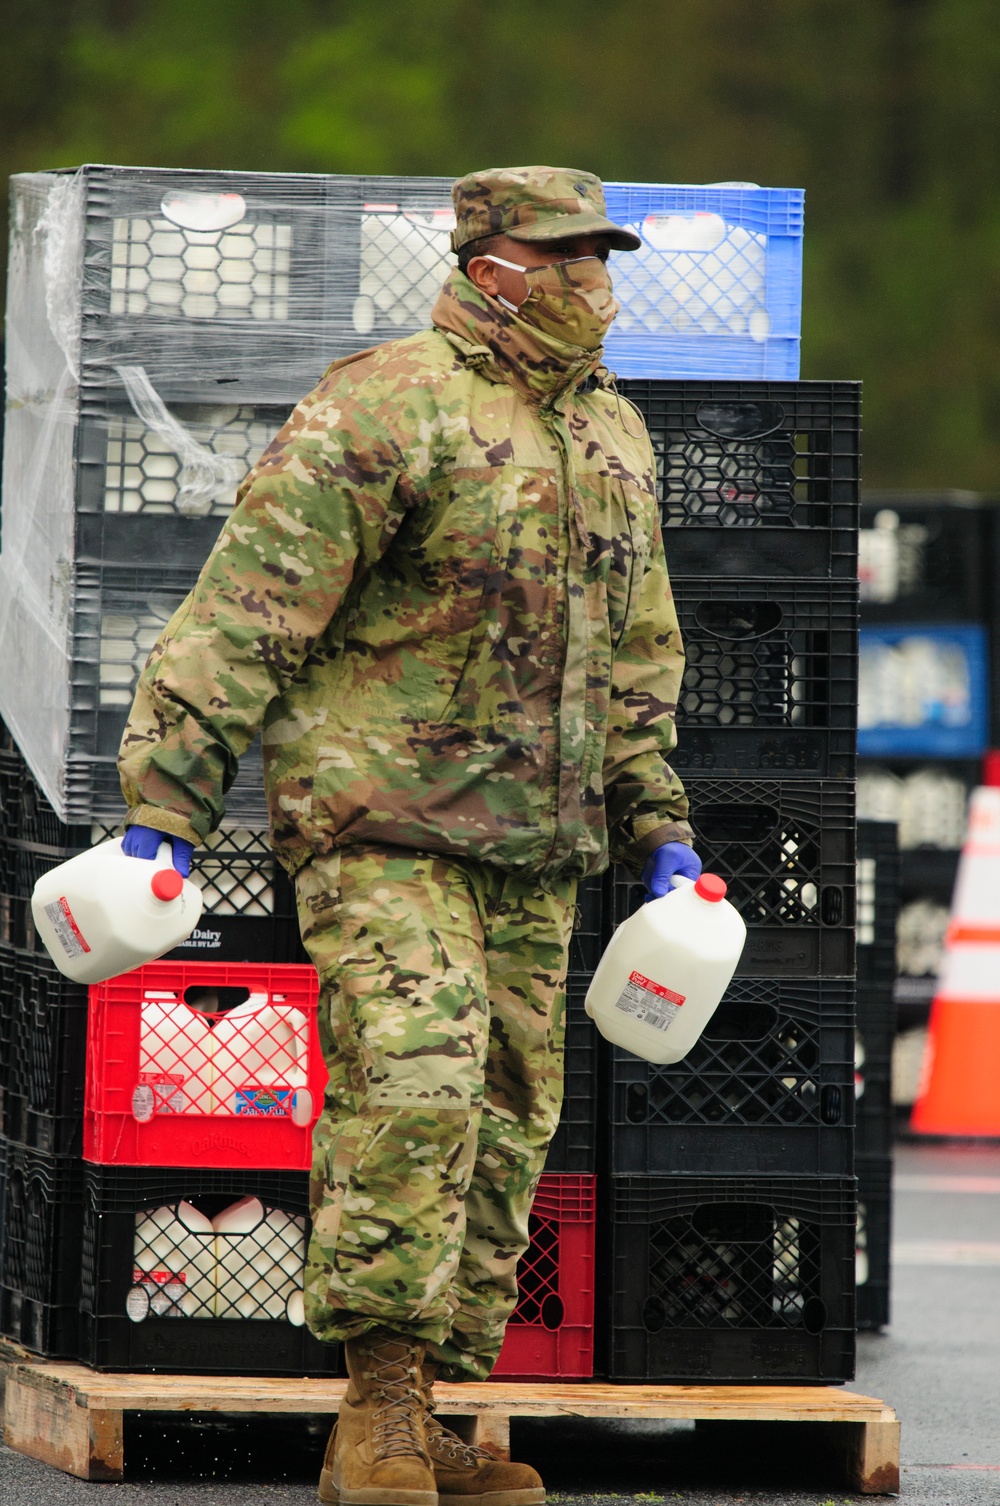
(204, 1064)
(551, 1331)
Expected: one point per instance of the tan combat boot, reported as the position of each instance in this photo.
(469, 1476)
(377, 1454)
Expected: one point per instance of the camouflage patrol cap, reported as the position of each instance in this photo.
(533, 204)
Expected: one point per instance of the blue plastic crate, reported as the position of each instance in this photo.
(923, 691)
(716, 289)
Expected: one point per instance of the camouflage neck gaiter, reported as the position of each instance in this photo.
(537, 363)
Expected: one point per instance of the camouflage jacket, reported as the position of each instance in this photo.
(442, 599)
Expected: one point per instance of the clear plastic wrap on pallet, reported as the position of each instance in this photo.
(36, 541)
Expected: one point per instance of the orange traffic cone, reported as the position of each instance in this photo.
(959, 1091)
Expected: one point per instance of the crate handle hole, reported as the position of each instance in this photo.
(738, 619)
(831, 1102)
(832, 908)
(814, 1315)
(637, 1103)
(740, 420)
(735, 1021)
(734, 1223)
(208, 999)
(735, 823)
(654, 1315)
(552, 1312)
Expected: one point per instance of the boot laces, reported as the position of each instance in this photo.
(395, 1430)
(468, 1454)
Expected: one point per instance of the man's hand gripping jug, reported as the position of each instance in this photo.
(665, 970)
(102, 913)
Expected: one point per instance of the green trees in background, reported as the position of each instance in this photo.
(884, 110)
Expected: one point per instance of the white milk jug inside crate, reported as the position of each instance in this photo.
(247, 1262)
(665, 969)
(174, 1265)
(261, 1255)
(102, 913)
(249, 1060)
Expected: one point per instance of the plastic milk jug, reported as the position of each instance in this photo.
(260, 1060)
(261, 1260)
(665, 970)
(174, 1273)
(102, 913)
(176, 1047)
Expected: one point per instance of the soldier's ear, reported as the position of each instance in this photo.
(483, 273)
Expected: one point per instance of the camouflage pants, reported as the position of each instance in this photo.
(442, 997)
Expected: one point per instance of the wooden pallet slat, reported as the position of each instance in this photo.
(71, 1417)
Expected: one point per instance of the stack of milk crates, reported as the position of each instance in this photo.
(155, 1129)
(727, 1181)
(877, 911)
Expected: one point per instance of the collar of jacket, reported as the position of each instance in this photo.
(501, 345)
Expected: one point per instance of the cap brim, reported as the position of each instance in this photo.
(560, 227)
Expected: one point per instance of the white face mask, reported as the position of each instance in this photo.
(514, 268)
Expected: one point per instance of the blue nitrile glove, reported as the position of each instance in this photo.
(144, 842)
(661, 865)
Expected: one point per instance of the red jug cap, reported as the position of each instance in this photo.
(711, 887)
(166, 883)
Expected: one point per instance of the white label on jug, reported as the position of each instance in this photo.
(137, 1304)
(650, 1002)
(143, 1102)
(70, 936)
(163, 1291)
(167, 1094)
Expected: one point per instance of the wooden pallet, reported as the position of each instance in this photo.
(71, 1417)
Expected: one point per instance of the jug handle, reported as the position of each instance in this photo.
(677, 881)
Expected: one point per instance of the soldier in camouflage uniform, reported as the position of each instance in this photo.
(442, 599)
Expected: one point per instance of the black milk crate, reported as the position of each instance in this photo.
(130, 477)
(32, 840)
(41, 1240)
(756, 478)
(574, 1146)
(771, 678)
(768, 1087)
(3, 1200)
(250, 910)
(216, 283)
(875, 1119)
(925, 557)
(874, 1240)
(22, 864)
(786, 850)
(876, 1027)
(119, 613)
(731, 1279)
(133, 1317)
(25, 814)
(879, 877)
(43, 1049)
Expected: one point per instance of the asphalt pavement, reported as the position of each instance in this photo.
(938, 1365)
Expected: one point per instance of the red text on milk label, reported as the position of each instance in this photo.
(70, 936)
(649, 1002)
